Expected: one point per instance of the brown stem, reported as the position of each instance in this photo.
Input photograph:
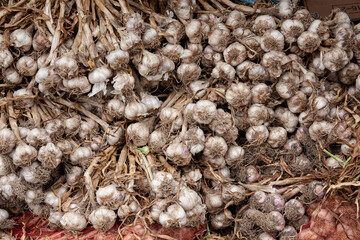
(81, 109)
(122, 159)
(245, 9)
(206, 5)
(12, 117)
(56, 39)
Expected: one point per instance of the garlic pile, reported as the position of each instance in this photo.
(184, 116)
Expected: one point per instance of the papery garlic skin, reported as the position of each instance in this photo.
(24, 154)
(21, 39)
(238, 95)
(235, 54)
(263, 23)
(66, 67)
(163, 184)
(27, 66)
(49, 156)
(204, 111)
(81, 155)
(6, 58)
(12, 76)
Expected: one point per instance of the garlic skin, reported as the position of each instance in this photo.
(49, 156)
(7, 140)
(172, 51)
(277, 137)
(66, 66)
(204, 111)
(235, 54)
(335, 59)
(320, 28)
(307, 80)
(81, 155)
(122, 81)
(238, 94)
(222, 123)
(304, 16)
(12, 76)
(188, 72)
(109, 197)
(274, 61)
(21, 39)
(6, 58)
(233, 192)
(73, 221)
(257, 134)
(54, 219)
(220, 220)
(26, 66)
(72, 125)
(258, 73)
(102, 219)
(150, 66)
(308, 41)
(292, 29)
(117, 59)
(321, 106)
(151, 38)
(272, 40)
(24, 155)
(198, 88)
(172, 116)
(215, 147)
(163, 184)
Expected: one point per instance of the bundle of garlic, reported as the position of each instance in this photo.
(111, 111)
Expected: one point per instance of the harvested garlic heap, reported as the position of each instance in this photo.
(182, 117)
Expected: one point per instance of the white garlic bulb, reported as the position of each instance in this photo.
(73, 221)
(102, 219)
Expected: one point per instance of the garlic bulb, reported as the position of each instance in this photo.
(274, 62)
(308, 41)
(291, 29)
(52, 199)
(235, 54)
(235, 19)
(24, 154)
(54, 219)
(21, 39)
(188, 198)
(54, 128)
(277, 137)
(122, 81)
(115, 135)
(335, 59)
(175, 216)
(215, 147)
(194, 140)
(98, 78)
(6, 165)
(72, 125)
(73, 221)
(220, 220)
(179, 153)
(188, 72)
(81, 155)
(204, 111)
(73, 174)
(272, 40)
(258, 114)
(219, 37)
(35, 173)
(115, 108)
(288, 119)
(297, 103)
(66, 66)
(223, 71)
(49, 156)
(163, 184)
(238, 95)
(12, 76)
(263, 23)
(320, 129)
(117, 59)
(6, 58)
(134, 110)
(257, 134)
(139, 133)
(232, 192)
(234, 155)
(257, 73)
(150, 66)
(77, 85)
(260, 93)
(173, 116)
(102, 219)
(222, 123)
(320, 28)
(26, 66)
(109, 197)
(7, 140)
